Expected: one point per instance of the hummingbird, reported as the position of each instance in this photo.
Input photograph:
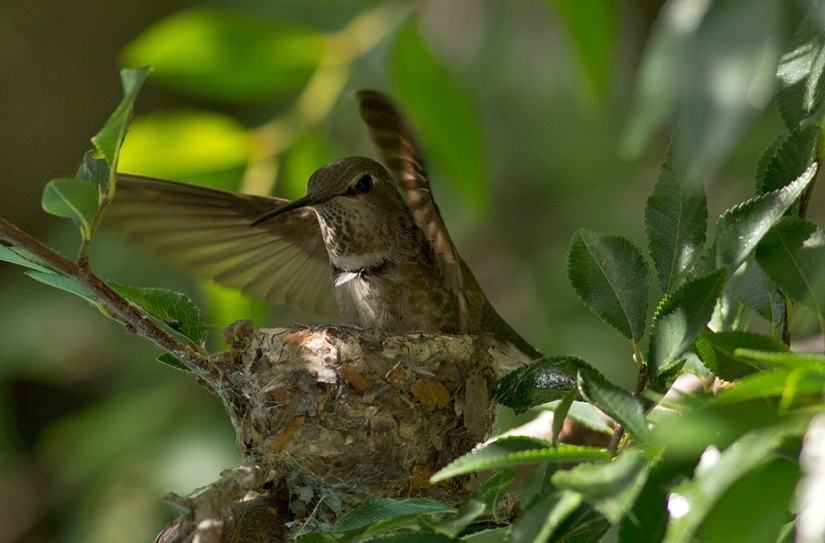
(367, 244)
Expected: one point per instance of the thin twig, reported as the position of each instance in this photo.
(641, 382)
(785, 334)
(110, 301)
(641, 385)
(615, 439)
(805, 200)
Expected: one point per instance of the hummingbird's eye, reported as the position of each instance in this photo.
(364, 184)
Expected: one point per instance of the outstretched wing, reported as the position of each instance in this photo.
(207, 232)
(395, 139)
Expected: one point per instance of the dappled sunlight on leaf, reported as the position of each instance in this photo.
(225, 56)
(445, 116)
(188, 144)
(711, 97)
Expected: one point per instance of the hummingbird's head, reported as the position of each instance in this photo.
(352, 182)
(361, 213)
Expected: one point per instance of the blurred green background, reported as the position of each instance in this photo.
(522, 106)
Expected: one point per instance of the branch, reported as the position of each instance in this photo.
(110, 301)
(217, 513)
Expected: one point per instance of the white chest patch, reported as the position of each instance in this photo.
(355, 289)
(345, 277)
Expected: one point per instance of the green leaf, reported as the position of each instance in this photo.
(195, 146)
(110, 137)
(545, 380)
(22, 258)
(398, 524)
(173, 362)
(317, 537)
(648, 518)
(381, 509)
(172, 308)
(717, 351)
(780, 383)
(584, 526)
(690, 47)
(707, 422)
(611, 277)
(616, 402)
(541, 518)
(801, 90)
(449, 124)
(792, 254)
(612, 487)
(766, 384)
(94, 169)
(787, 158)
(62, 282)
(481, 501)
(757, 292)
(538, 483)
(691, 502)
(681, 316)
(804, 387)
(676, 217)
(787, 534)
(767, 156)
(798, 379)
(706, 263)
(759, 515)
(220, 55)
(583, 413)
(661, 382)
(560, 413)
(493, 535)
(510, 451)
(741, 227)
(416, 537)
(493, 488)
(590, 417)
(592, 24)
(72, 199)
(783, 359)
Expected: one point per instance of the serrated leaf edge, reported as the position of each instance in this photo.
(667, 306)
(562, 453)
(627, 242)
(669, 165)
(796, 186)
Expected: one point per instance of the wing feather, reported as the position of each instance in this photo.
(397, 142)
(206, 232)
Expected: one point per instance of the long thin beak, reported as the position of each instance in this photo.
(295, 204)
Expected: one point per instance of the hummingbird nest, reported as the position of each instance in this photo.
(328, 417)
